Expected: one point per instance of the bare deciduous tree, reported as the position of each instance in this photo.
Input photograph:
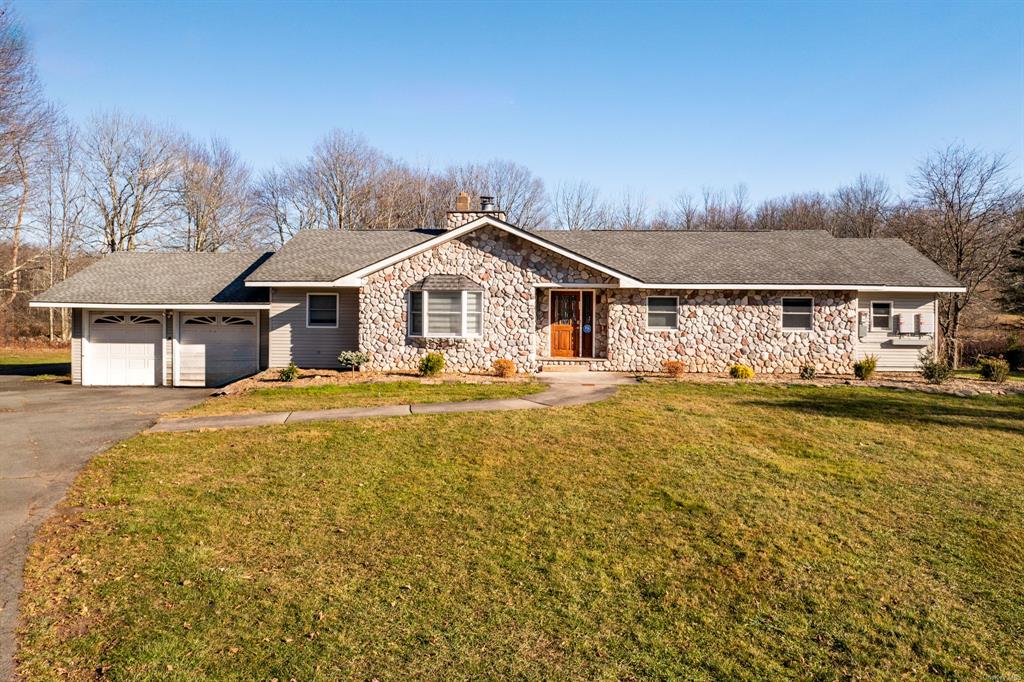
(128, 166)
(861, 209)
(341, 173)
(630, 211)
(809, 211)
(967, 219)
(515, 189)
(24, 119)
(577, 206)
(60, 210)
(213, 193)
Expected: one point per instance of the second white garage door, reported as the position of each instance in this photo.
(214, 350)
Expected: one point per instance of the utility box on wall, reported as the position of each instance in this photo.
(925, 323)
(862, 324)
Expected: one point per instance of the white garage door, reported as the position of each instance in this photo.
(124, 349)
(214, 350)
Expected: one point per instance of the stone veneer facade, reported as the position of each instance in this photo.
(719, 328)
(716, 329)
(508, 268)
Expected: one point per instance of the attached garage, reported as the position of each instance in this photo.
(123, 349)
(216, 349)
(165, 319)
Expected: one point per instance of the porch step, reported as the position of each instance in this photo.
(571, 364)
(565, 368)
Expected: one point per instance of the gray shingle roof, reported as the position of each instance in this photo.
(783, 257)
(652, 256)
(162, 279)
(323, 256)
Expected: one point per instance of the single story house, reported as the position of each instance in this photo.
(482, 289)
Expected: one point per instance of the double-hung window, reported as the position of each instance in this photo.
(662, 312)
(798, 314)
(881, 316)
(322, 310)
(449, 314)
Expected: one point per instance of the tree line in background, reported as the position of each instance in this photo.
(119, 182)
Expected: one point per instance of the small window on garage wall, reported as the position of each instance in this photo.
(881, 316)
(798, 314)
(201, 319)
(109, 319)
(236, 321)
(322, 310)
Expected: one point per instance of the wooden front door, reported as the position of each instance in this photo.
(565, 324)
(572, 324)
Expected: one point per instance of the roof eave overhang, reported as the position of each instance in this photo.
(486, 221)
(283, 284)
(153, 306)
(801, 287)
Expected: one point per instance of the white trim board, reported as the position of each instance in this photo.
(151, 306)
(343, 282)
(800, 287)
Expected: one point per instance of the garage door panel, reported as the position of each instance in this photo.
(217, 349)
(124, 350)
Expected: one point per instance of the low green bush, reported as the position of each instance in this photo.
(933, 370)
(994, 369)
(808, 372)
(352, 360)
(289, 373)
(865, 369)
(431, 364)
(741, 372)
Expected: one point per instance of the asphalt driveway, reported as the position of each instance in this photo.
(48, 431)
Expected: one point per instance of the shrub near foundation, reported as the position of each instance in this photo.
(674, 368)
(504, 368)
(741, 372)
(289, 373)
(865, 369)
(432, 364)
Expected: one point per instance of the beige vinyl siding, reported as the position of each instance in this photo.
(893, 358)
(76, 345)
(292, 341)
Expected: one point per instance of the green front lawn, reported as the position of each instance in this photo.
(330, 396)
(973, 373)
(34, 356)
(674, 531)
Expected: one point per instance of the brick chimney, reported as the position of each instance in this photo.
(463, 213)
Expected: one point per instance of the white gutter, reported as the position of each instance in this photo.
(151, 306)
(636, 284)
(343, 282)
(800, 287)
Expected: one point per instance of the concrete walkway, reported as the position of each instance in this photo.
(569, 388)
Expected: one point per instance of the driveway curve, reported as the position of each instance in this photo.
(48, 431)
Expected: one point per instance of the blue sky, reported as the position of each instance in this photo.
(656, 97)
